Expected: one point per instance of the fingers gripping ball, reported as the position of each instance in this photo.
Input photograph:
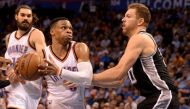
(28, 66)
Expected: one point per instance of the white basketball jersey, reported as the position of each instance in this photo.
(15, 49)
(56, 89)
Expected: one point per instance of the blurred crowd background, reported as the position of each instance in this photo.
(97, 23)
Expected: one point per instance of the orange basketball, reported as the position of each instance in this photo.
(28, 66)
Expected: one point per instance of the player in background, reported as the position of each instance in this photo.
(24, 40)
(72, 57)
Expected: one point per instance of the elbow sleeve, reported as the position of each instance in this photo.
(82, 77)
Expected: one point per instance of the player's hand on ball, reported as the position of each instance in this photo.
(48, 68)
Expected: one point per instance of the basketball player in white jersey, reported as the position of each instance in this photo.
(69, 55)
(24, 40)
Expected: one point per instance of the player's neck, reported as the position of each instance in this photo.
(137, 30)
(20, 32)
(60, 50)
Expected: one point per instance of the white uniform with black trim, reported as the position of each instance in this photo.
(60, 97)
(22, 96)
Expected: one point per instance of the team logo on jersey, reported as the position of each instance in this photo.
(17, 49)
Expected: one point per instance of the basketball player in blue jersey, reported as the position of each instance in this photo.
(24, 40)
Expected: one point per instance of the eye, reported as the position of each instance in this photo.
(22, 14)
(63, 27)
(29, 15)
(128, 16)
(70, 28)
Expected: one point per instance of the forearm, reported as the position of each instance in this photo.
(108, 75)
(82, 77)
(108, 84)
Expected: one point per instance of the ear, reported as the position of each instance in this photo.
(141, 21)
(51, 32)
(16, 16)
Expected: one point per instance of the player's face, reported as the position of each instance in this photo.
(24, 19)
(63, 31)
(129, 21)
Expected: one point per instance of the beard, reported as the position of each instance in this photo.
(24, 25)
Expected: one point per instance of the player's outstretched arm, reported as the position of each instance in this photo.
(113, 84)
(117, 73)
(37, 40)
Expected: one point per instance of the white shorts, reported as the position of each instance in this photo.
(57, 104)
(15, 100)
(24, 96)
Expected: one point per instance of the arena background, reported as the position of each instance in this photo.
(97, 23)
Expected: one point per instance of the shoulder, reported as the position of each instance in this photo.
(8, 36)
(36, 31)
(36, 35)
(140, 39)
(82, 51)
(80, 45)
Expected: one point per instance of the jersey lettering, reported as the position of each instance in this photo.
(17, 49)
(131, 76)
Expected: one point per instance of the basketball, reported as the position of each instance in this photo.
(28, 66)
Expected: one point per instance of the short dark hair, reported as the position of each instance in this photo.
(35, 18)
(55, 20)
(142, 11)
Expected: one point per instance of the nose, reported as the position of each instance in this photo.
(69, 31)
(122, 19)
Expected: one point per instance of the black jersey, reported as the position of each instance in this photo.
(149, 74)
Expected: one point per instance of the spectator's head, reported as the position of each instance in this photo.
(106, 105)
(95, 105)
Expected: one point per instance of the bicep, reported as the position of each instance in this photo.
(132, 52)
(7, 39)
(39, 40)
(82, 52)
